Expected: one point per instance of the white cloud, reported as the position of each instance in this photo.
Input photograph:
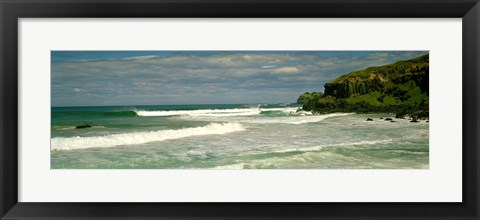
(288, 70)
(378, 56)
(140, 58)
(268, 66)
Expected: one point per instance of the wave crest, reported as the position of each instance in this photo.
(218, 112)
(202, 112)
(135, 138)
(295, 120)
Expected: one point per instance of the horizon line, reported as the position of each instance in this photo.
(80, 106)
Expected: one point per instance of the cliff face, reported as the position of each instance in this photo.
(376, 78)
(347, 88)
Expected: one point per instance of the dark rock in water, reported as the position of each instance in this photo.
(427, 121)
(393, 121)
(381, 118)
(83, 126)
(414, 120)
(369, 119)
(388, 119)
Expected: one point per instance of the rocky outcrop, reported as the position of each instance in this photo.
(376, 78)
(401, 88)
(83, 126)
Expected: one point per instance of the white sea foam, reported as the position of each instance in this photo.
(135, 138)
(296, 120)
(235, 166)
(316, 118)
(63, 128)
(285, 110)
(267, 161)
(217, 112)
(303, 113)
(320, 147)
(203, 112)
(409, 152)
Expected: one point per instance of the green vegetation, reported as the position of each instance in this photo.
(305, 97)
(401, 88)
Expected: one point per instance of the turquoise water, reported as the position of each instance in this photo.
(273, 136)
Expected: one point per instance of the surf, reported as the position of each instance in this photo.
(136, 138)
(221, 112)
(346, 144)
(200, 112)
(299, 119)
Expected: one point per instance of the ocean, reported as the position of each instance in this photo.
(242, 136)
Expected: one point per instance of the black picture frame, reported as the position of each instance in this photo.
(12, 10)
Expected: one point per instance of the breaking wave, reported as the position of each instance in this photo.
(202, 112)
(219, 112)
(294, 120)
(135, 138)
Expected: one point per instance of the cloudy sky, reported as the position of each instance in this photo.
(100, 78)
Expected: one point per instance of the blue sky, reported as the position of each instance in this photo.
(102, 78)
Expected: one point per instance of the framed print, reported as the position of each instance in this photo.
(226, 109)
